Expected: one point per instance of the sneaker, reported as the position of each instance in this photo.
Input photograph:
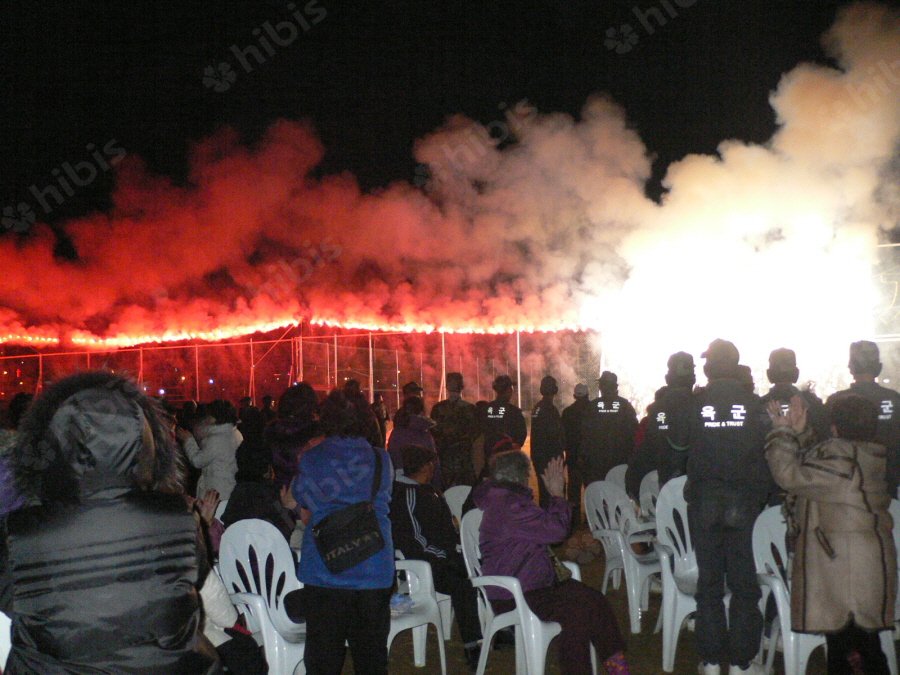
(708, 669)
(754, 668)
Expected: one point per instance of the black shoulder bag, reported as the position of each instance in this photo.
(347, 537)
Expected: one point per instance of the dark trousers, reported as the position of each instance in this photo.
(586, 618)
(362, 618)
(867, 645)
(452, 580)
(725, 555)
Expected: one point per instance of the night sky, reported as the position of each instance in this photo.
(372, 77)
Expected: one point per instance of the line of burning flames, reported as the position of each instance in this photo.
(90, 340)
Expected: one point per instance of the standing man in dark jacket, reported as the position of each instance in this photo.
(783, 374)
(454, 433)
(728, 483)
(572, 419)
(865, 366)
(666, 440)
(547, 440)
(502, 418)
(607, 434)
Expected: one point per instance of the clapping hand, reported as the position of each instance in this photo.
(207, 506)
(794, 417)
(554, 477)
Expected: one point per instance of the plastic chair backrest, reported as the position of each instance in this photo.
(769, 549)
(604, 503)
(469, 529)
(672, 525)
(455, 497)
(649, 492)
(617, 475)
(255, 558)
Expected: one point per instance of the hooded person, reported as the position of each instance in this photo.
(547, 438)
(728, 485)
(865, 366)
(97, 468)
(454, 433)
(502, 420)
(608, 432)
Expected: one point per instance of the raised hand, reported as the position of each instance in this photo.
(554, 477)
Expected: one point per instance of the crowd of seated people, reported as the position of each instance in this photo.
(94, 473)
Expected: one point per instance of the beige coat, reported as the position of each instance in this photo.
(845, 565)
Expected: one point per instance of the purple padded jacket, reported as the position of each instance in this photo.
(515, 534)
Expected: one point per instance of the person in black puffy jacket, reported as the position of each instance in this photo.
(105, 558)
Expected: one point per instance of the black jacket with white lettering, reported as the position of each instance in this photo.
(665, 441)
(503, 419)
(607, 436)
(888, 431)
(726, 443)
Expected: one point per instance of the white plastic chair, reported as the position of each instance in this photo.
(258, 570)
(443, 600)
(220, 509)
(679, 566)
(614, 564)
(648, 494)
(455, 497)
(612, 520)
(419, 585)
(5, 638)
(533, 636)
(617, 475)
(772, 570)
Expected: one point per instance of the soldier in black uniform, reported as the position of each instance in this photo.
(502, 418)
(572, 418)
(865, 366)
(783, 374)
(666, 439)
(454, 434)
(547, 440)
(607, 433)
(728, 484)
